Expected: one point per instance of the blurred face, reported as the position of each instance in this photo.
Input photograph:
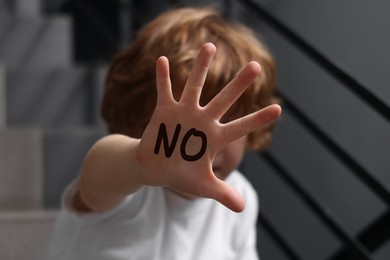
(229, 158)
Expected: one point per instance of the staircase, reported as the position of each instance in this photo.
(48, 120)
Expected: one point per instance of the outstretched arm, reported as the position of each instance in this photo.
(179, 144)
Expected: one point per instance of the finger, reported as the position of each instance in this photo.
(218, 106)
(223, 193)
(163, 81)
(197, 76)
(244, 125)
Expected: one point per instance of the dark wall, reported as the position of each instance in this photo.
(324, 184)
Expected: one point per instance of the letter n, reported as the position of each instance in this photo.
(163, 137)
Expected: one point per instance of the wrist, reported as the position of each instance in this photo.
(144, 176)
(140, 171)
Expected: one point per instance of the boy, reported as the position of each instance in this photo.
(176, 139)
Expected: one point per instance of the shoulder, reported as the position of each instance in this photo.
(244, 240)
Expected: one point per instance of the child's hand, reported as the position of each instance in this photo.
(179, 144)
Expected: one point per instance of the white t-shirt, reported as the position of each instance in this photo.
(155, 223)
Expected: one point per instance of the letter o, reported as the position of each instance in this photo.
(202, 150)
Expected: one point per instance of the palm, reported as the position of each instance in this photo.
(180, 142)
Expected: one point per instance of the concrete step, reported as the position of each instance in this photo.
(64, 151)
(35, 167)
(35, 42)
(25, 234)
(5, 7)
(66, 97)
(2, 98)
(21, 167)
(27, 7)
(21, 7)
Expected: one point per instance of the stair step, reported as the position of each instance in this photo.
(64, 151)
(25, 234)
(5, 7)
(35, 42)
(3, 105)
(20, 7)
(21, 167)
(27, 7)
(59, 97)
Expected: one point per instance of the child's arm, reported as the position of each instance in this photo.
(178, 146)
(109, 173)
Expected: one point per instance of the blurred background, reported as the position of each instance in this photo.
(324, 184)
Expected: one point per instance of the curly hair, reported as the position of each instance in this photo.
(130, 89)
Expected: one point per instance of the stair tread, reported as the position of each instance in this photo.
(57, 97)
(21, 166)
(28, 216)
(35, 41)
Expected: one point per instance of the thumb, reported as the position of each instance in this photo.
(223, 193)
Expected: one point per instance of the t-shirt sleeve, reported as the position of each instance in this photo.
(129, 205)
